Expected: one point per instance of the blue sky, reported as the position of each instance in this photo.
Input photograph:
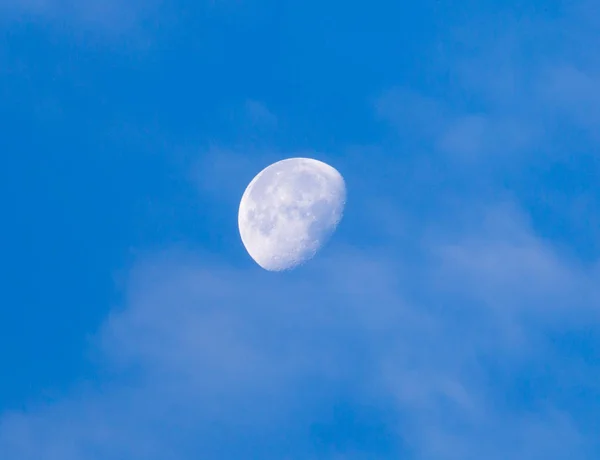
(455, 314)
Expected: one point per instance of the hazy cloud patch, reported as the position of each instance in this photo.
(212, 360)
(111, 16)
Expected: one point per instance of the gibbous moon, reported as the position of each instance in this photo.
(289, 211)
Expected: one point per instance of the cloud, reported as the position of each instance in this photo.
(457, 332)
(97, 15)
(516, 100)
(506, 253)
(196, 348)
(574, 93)
(259, 114)
(219, 361)
(508, 91)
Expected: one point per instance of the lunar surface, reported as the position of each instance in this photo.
(289, 211)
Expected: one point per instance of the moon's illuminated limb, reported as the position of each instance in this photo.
(289, 211)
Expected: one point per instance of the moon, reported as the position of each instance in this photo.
(289, 211)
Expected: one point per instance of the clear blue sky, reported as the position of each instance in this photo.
(456, 313)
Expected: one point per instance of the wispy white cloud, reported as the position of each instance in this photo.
(513, 89)
(211, 360)
(440, 326)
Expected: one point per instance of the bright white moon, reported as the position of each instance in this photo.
(289, 211)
